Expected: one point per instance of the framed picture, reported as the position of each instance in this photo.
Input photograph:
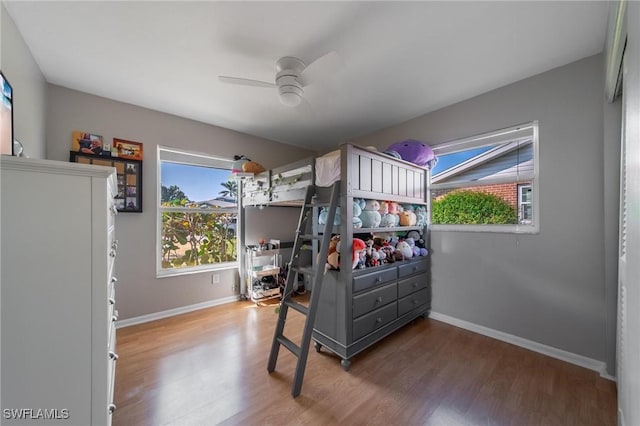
(129, 177)
(90, 144)
(126, 149)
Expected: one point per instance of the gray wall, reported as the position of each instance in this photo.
(29, 87)
(139, 291)
(549, 287)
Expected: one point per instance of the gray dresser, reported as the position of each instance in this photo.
(354, 315)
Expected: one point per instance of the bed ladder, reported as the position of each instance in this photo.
(317, 273)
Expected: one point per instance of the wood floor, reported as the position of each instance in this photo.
(209, 367)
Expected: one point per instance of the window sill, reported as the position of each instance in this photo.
(168, 273)
(501, 229)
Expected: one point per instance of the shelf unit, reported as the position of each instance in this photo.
(261, 264)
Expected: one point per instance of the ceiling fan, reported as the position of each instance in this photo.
(292, 75)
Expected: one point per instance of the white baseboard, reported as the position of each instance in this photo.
(582, 361)
(177, 311)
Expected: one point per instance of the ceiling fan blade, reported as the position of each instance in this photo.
(320, 68)
(245, 81)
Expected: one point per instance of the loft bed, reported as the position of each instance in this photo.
(364, 174)
(357, 307)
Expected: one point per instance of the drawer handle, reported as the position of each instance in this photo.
(112, 301)
(379, 279)
(379, 299)
(378, 320)
(113, 355)
(112, 408)
(415, 268)
(414, 285)
(416, 301)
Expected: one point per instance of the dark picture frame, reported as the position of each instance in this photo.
(129, 177)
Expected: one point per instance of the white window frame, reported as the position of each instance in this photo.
(522, 203)
(169, 154)
(494, 138)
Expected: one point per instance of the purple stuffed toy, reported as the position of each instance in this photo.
(415, 152)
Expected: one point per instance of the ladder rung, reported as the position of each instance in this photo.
(310, 237)
(305, 270)
(297, 306)
(295, 349)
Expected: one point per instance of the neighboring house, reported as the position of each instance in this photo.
(509, 161)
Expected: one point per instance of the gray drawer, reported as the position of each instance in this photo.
(413, 301)
(364, 282)
(374, 320)
(374, 299)
(413, 284)
(413, 268)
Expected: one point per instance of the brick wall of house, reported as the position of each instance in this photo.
(506, 191)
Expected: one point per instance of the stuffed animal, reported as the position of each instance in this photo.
(384, 208)
(387, 220)
(324, 212)
(407, 218)
(252, 167)
(403, 251)
(370, 215)
(415, 152)
(394, 211)
(359, 250)
(421, 215)
(416, 237)
(239, 160)
(357, 210)
(333, 256)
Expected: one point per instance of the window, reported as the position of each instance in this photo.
(525, 212)
(487, 182)
(197, 213)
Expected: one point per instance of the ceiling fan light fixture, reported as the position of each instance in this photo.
(290, 98)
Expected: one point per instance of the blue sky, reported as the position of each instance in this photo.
(198, 183)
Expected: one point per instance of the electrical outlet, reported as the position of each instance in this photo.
(215, 278)
(234, 287)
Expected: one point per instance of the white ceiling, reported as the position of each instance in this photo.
(399, 60)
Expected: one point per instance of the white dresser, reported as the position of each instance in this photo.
(57, 292)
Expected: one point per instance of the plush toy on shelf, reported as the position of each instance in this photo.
(370, 215)
(357, 210)
(403, 251)
(407, 218)
(324, 212)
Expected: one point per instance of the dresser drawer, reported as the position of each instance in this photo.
(374, 320)
(414, 267)
(364, 282)
(374, 299)
(413, 301)
(412, 284)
